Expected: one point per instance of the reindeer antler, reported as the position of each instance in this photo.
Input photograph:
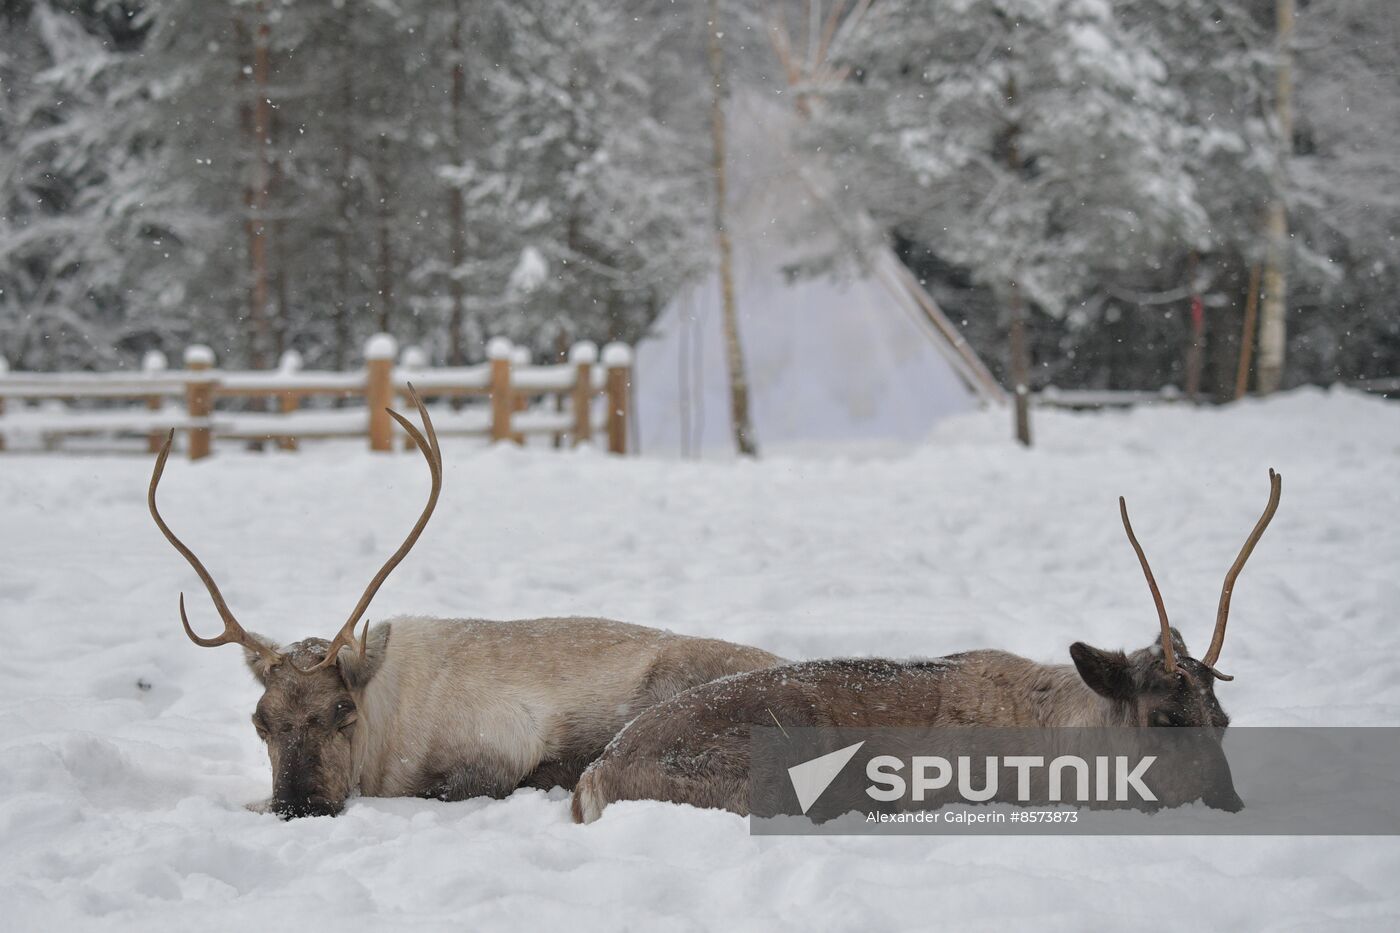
(1168, 653)
(431, 452)
(233, 632)
(1222, 614)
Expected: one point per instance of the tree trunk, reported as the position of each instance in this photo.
(1020, 367)
(744, 440)
(456, 249)
(343, 302)
(385, 266)
(1251, 308)
(257, 198)
(1273, 335)
(1196, 348)
(1020, 356)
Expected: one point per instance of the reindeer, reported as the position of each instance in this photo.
(694, 747)
(448, 708)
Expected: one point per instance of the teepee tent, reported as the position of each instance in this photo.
(855, 352)
(858, 351)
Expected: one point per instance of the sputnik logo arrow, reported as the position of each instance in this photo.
(811, 778)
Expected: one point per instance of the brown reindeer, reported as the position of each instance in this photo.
(449, 708)
(694, 747)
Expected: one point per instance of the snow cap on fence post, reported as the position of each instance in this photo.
(617, 360)
(154, 361)
(381, 347)
(290, 362)
(583, 355)
(498, 348)
(500, 351)
(617, 354)
(413, 358)
(585, 351)
(199, 399)
(4, 366)
(380, 351)
(520, 356)
(198, 356)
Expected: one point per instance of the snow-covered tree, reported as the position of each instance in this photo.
(85, 232)
(586, 208)
(1035, 143)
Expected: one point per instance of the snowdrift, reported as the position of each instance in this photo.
(126, 755)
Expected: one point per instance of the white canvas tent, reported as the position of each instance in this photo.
(861, 353)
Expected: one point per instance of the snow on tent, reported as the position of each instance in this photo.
(859, 352)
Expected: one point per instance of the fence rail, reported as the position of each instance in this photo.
(523, 400)
(1089, 399)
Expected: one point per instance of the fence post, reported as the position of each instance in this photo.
(199, 398)
(583, 355)
(4, 369)
(154, 362)
(412, 361)
(519, 357)
(498, 351)
(617, 359)
(288, 400)
(380, 351)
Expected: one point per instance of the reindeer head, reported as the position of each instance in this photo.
(1162, 685)
(308, 714)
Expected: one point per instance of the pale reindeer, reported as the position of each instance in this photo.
(694, 747)
(449, 708)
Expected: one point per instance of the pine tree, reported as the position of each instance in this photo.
(1035, 144)
(85, 235)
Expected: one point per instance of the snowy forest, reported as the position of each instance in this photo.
(1127, 179)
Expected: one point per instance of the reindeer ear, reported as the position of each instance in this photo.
(1106, 672)
(356, 671)
(258, 662)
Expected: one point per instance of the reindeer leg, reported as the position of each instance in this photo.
(462, 780)
(559, 772)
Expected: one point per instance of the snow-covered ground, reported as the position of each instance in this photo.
(126, 754)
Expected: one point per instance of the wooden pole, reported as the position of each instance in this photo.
(288, 400)
(617, 358)
(456, 204)
(1196, 347)
(744, 440)
(199, 398)
(1020, 367)
(583, 355)
(1251, 310)
(498, 351)
(561, 353)
(154, 362)
(260, 192)
(1020, 355)
(380, 351)
(412, 361)
(520, 356)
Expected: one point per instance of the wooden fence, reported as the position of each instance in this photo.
(1090, 399)
(522, 400)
